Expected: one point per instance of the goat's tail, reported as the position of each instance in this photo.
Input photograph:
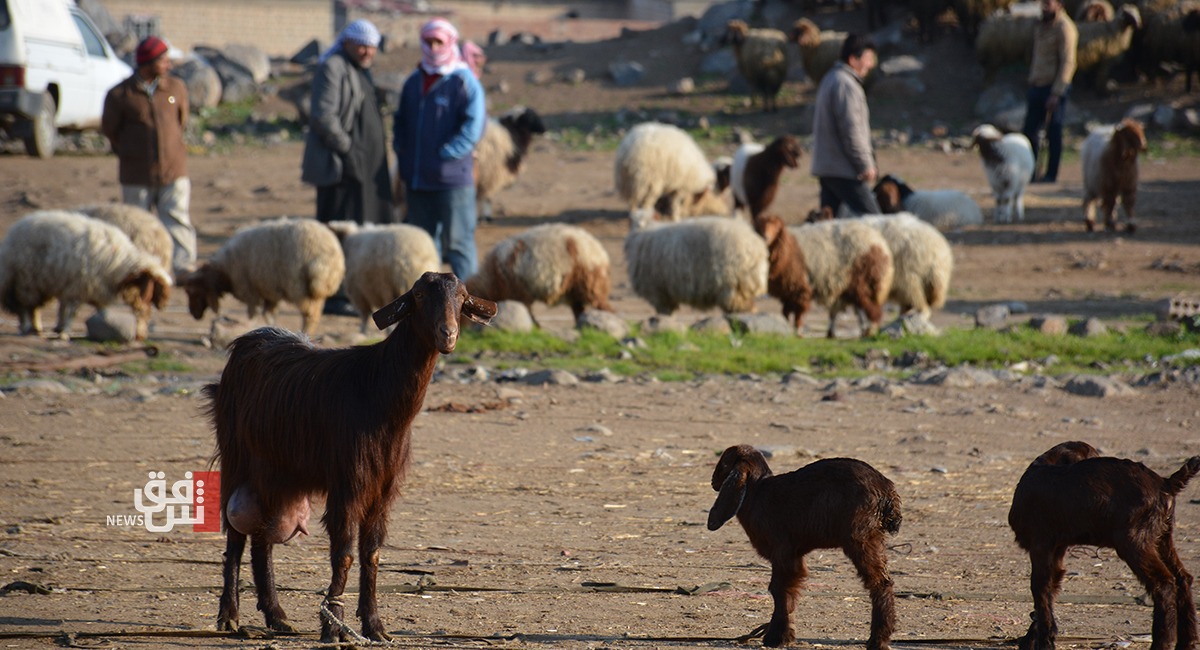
(889, 511)
(1180, 478)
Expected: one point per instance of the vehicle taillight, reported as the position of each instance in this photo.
(12, 75)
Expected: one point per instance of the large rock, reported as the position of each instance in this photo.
(237, 83)
(250, 57)
(721, 63)
(626, 73)
(744, 323)
(1098, 387)
(605, 321)
(108, 326)
(512, 316)
(203, 83)
(998, 98)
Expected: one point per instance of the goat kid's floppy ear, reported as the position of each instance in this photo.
(729, 500)
(393, 312)
(479, 310)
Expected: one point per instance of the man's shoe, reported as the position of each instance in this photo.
(338, 306)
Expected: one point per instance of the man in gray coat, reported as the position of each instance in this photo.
(842, 158)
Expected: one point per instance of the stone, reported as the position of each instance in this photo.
(712, 325)
(684, 86)
(497, 37)
(961, 377)
(626, 73)
(39, 387)
(551, 377)
(1088, 328)
(1141, 112)
(662, 323)
(1090, 386)
(250, 57)
(1163, 117)
(539, 77)
(1051, 325)
(203, 83)
(900, 65)
(237, 83)
(310, 53)
(225, 329)
(992, 316)
(747, 323)
(1168, 328)
(108, 326)
(604, 321)
(911, 324)
(574, 76)
(512, 316)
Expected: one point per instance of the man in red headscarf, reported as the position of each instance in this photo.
(144, 119)
(439, 121)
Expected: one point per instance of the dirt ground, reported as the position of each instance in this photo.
(573, 516)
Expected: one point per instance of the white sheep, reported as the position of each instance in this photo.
(1171, 36)
(382, 262)
(971, 13)
(1102, 44)
(550, 263)
(921, 260)
(500, 154)
(143, 228)
(660, 167)
(293, 260)
(944, 209)
(1008, 163)
(704, 262)
(819, 50)
(76, 259)
(762, 58)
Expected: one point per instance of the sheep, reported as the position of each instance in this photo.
(831, 503)
(1171, 36)
(548, 263)
(944, 209)
(501, 152)
(660, 167)
(1094, 11)
(75, 259)
(1070, 496)
(838, 263)
(1004, 40)
(143, 228)
(382, 262)
(756, 169)
(704, 262)
(1008, 163)
(819, 50)
(971, 13)
(1110, 169)
(762, 58)
(292, 421)
(1101, 44)
(297, 260)
(922, 262)
(926, 13)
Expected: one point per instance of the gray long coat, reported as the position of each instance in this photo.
(337, 98)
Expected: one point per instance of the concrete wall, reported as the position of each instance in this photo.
(278, 27)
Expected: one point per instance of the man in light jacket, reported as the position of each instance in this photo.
(439, 121)
(1051, 69)
(842, 158)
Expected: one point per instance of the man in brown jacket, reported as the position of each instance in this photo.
(144, 118)
(1050, 72)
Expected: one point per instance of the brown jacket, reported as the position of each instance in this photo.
(146, 132)
(1053, 62)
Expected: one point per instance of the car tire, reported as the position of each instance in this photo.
(44, 136)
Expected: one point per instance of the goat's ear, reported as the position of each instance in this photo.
(393, 312)
(479, 310)
(729, 500)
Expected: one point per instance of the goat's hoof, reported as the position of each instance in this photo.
(376, 635)
(1091, 227)
(283, 625)
(775, 638)
(227, 624)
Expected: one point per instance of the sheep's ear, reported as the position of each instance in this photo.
(729, 500)
(393, 312)
(479, 310)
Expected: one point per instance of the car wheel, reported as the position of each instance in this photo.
(42, 140)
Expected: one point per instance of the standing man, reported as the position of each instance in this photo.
(1050, 72)
(842, 158)
(144, 119)
(437, 125)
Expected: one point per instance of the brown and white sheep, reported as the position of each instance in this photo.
(831, 503)
(819, 50)
(762, 58)
(1110, 170)
(1070, 496)
(293, 421)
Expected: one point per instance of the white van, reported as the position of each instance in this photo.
(55, 69)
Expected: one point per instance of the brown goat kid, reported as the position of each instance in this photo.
(831, 503)
(293, 420)
(1070, 495)
(1110, 170)
(757, 177)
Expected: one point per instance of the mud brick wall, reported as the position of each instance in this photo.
(278, 27)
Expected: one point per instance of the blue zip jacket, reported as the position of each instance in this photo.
(435, 134)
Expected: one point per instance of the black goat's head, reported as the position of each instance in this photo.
(204, 288)
(1067, 453)
(440, 301)
(739, 466)
(526, 120)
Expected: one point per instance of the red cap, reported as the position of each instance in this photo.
(150, 49)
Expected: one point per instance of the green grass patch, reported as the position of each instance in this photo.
(672, 356)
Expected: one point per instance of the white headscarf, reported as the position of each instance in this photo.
(360, 31)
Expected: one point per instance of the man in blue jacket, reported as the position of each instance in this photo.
(440, 119)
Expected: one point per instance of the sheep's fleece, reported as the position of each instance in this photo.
(537, 265)
(655, 160)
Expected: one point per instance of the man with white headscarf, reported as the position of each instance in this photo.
(345, 151)
(437, 125)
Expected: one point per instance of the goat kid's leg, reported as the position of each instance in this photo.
(1045, 579)
(1128, 199)
(370, 538)
(1108, 206)
(264, 584)
(1159, 582)
(227, 615)
(1185, 608)
(786, 580)
(870, 558)
(341, 537)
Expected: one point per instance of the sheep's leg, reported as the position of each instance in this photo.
(1185, 608)
(786, 581)
(227, 615)
(1154, 574)
(66, 314)
(310, 316)
(1128, 198)
(1089, 212)
(264, 584)
(370, 537)
(1045, 579)
(870, 558)
(341, 537)
(1108, 205)
(30, 322)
